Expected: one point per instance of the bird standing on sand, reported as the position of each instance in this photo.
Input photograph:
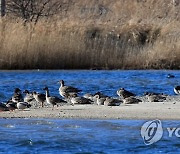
(124, 93)
(52, 99)
(177, 90)
(39, 98)
(17, 97)
(66, 91)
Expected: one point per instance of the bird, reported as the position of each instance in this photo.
(111, 102)
(170, 76)
(100, 101)
(177, 90)
(28, 96)
(52, 99)
(11, 105)
(3, 107)
(39, 98)
(80, 100)
(23, 105)
(124, 93)
(131, 100)
(155, 97)
(66, 91)
(17, 96)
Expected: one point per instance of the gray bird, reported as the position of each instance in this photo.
(66, 91)
(124, 93)
(80, 100)
(100, 101)
(111, 102)
(131, 100)
(40, 98)
(52, 99)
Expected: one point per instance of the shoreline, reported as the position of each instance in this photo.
(142, 111)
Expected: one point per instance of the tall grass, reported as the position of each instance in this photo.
(93, 34)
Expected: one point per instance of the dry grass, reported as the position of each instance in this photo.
(93, 34)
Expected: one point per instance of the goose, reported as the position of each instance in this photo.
(131, 100)
(23, 105)
(155, 98)
(124, 93)
(80, 100)
(17, 97)
(39, 98)
(111, 102)
(99, 101)
(11, 105)
(3, 107)
(52, 99)
(66, 91)
(28, 96)
(177, 90)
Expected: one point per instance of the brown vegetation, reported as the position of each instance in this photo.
(95, 34)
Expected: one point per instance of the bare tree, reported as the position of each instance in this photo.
(32, 10)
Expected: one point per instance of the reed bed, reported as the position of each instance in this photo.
(95, 35)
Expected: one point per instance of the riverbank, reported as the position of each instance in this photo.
(158, 110)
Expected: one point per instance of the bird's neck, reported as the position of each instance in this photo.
(47, 93)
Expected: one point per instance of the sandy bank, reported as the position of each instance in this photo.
(164, 110)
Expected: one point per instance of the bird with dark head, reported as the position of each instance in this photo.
(177, 90)
(17, 96)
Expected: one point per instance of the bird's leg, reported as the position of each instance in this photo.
(42, 104)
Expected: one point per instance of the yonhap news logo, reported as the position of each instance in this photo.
(152, 131)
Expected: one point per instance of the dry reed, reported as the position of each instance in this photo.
(96, 35)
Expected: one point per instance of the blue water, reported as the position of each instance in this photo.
(81, 136)
(108, 82)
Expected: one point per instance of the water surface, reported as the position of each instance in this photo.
(137, 81)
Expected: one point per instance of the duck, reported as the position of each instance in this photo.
(124, 93)
(131, 100)
(17, 96)
(40, 98)
(28, 96)
(111, 102)
(3, 107)
(177, 90)
(52, 99)
(66, 91)
(170, 76)
(23, 105)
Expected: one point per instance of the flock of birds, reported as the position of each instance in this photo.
(70, 95)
